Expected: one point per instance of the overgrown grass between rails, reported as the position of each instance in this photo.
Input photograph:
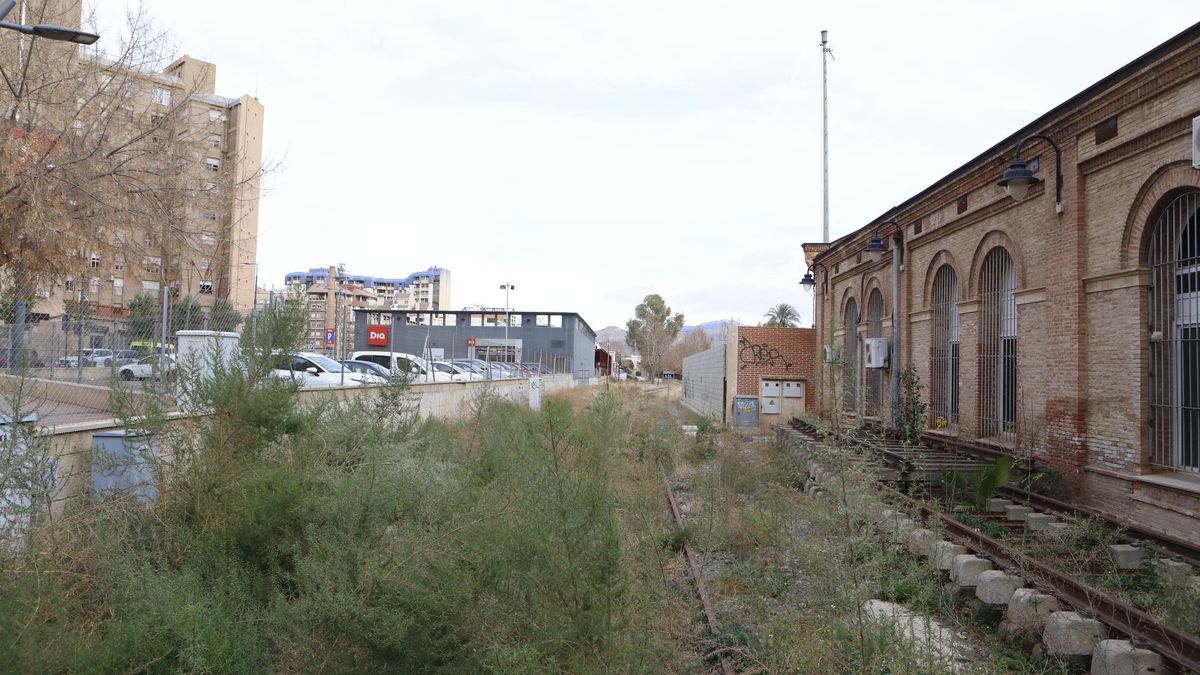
(358, 538)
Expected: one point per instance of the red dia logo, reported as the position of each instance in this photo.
(377, 336)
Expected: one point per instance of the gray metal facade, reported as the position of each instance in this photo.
(566, 340)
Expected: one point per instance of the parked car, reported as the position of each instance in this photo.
(99, 357)
(489, 370)
(399, 362)
(367, 368)
(308, 369)
(124, 357)
(456, 373)
(26, 357)
(147, 367)
(73, 360)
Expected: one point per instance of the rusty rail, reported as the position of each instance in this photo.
(1180, 648)
(710, 615)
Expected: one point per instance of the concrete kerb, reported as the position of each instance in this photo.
(1120, 657)
(1069, 634)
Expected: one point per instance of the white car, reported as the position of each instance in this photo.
(457, 373)
(308, 369)
(145, 368)
(405, 364)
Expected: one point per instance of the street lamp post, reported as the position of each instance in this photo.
(1018, 178)
(46, 30)
(506, 288)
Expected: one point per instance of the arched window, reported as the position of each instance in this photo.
(944, 350)
(850, 357)
(1173, 255)
(873, 378)
(998, 346)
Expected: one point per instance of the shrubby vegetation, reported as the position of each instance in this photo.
(348, 536)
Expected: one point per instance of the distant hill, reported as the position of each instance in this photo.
(715, 330)
(616, 336)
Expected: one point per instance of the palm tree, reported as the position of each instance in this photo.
(782, 314)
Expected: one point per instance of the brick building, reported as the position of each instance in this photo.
(1067, 330)
(772, 364)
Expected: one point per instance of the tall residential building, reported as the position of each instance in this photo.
(330, 308)
(425, 290)
(192, 228)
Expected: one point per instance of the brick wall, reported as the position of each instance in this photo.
(1082, 378)
(774, 353)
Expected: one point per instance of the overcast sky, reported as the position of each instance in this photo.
(594, 152)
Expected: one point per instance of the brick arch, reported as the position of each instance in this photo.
(847, 295)
(943, 257)
(991, 240)
(873, 283)
(1154, 195)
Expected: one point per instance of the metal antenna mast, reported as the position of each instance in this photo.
(825, 129)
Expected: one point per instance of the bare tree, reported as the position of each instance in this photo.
(692, 342)
(103, 166)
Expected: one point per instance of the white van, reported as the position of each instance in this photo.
(405, 364)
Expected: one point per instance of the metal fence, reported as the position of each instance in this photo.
(1174, 355)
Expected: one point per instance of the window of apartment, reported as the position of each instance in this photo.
(95, 260)
(514, 319)
(214, 115)
(476, 319)
(944, 352)
(68, 284)
(206, 287)
(208, 238)
(119, 261)
(541, 320)
(212, 163)
(214, 140)
(1173, 256)
(157, 119)
(149, 286)
(94, 286)
(118, 287)
(556, 320)
(160, 96)
(78, 126)
(998, 346)
(152, 263)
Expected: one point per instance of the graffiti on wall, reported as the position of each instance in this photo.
(759, 354)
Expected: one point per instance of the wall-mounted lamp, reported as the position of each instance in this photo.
(1017, 180)
(876, 248)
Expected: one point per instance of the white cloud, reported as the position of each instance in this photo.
(595, 152)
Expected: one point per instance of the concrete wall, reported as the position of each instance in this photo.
(704, 383)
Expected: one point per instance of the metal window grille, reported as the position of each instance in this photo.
(998, 347)
(944, 350)
(873, 378)
(850, 358)
(1173, 256)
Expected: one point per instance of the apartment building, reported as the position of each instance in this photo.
(424, 290)
(174, 205)
(332, 296)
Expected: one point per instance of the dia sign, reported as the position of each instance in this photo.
(377, 336)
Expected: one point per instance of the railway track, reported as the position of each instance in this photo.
(905, 464)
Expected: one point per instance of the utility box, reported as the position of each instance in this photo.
(745, 411)
(123, 465)
(876, 353)
(206, 350)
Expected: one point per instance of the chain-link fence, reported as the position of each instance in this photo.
(77, 345)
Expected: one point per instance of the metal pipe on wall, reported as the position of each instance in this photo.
(897, 260)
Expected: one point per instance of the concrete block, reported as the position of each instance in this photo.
(1126, 556)
(1055, 529)
(995, 587)
(1036, 522)
(1068, 634)
(943, 553)
(1120, 657)
(919, 541)
(1016, 512)
(1028, 609)
(1173, 572)
(996, 505)
(967, 569)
